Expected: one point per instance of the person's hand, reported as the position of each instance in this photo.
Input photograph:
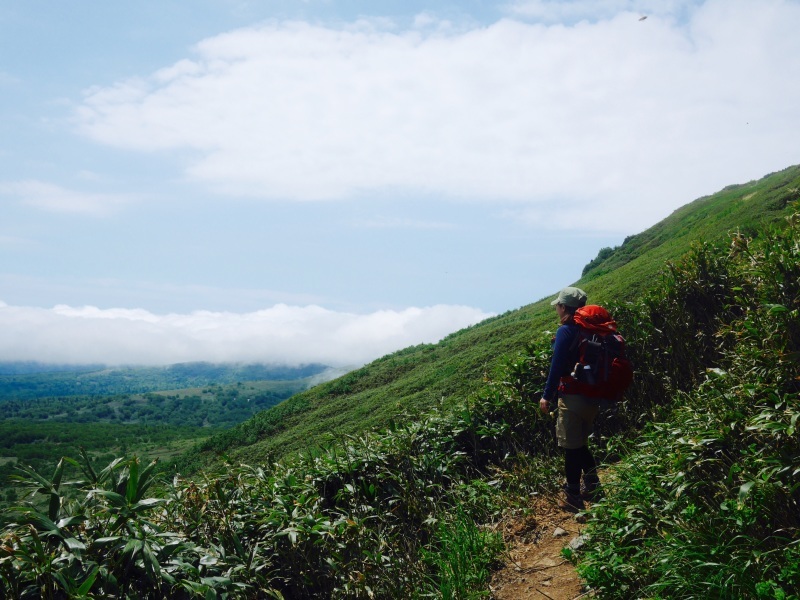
(544, 405)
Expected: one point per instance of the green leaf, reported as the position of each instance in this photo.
(132, 548)
(133, 480)
(150, 560)
(775, 309)
(105, 541)
(68, 521)
(745, 490)
(113, 497)
(106, 473)
(793, 425)
(216, 581)
(58, 474)
(32, 478)
(145, 479)
(62, 581)
(73, 544)
(86, 466)
(54, 506)
(40, 522)
(147, 503)
(89, 582)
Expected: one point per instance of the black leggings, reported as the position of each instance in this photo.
(577, 461)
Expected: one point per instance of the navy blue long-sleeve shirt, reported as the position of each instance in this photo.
(565, 355)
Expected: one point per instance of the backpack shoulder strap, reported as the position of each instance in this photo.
(580, 335)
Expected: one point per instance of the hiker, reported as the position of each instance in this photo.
(576, 412)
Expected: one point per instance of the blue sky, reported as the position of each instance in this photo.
(330, 181)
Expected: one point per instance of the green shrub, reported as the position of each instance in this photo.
(708, 503)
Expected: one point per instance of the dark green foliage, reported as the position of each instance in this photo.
(41, 445)
(463, 556)
(100, 537)
(708, 502)
(672, 331)
(601, 256)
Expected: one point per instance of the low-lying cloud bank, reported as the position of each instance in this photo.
(280, 334)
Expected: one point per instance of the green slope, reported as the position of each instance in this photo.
(415, 379)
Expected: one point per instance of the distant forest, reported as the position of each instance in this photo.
(22, 380)
(51, 411)
(209, 406)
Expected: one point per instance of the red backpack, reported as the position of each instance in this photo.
(602, 370)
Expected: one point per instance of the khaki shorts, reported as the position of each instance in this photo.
(575, 420)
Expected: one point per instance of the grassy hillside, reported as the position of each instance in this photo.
(743, 208)
(418, 378)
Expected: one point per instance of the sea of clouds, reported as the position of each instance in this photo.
(279, 334)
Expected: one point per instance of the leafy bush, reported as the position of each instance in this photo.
(708, 504)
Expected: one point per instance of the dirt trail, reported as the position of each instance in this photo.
(536, 568)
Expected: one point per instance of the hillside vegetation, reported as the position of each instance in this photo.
(702, 485)
(417, 379)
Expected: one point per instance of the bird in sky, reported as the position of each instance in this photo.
(643, 17)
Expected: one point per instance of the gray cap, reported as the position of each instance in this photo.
(571, 296)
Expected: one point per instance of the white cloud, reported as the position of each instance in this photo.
(618, 119)
(281, 334)
(54, 198)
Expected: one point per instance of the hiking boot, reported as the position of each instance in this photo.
(591, 490)
(570, 501)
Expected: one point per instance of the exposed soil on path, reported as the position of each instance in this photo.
(536, 568)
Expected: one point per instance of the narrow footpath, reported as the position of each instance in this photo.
(536, 567)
